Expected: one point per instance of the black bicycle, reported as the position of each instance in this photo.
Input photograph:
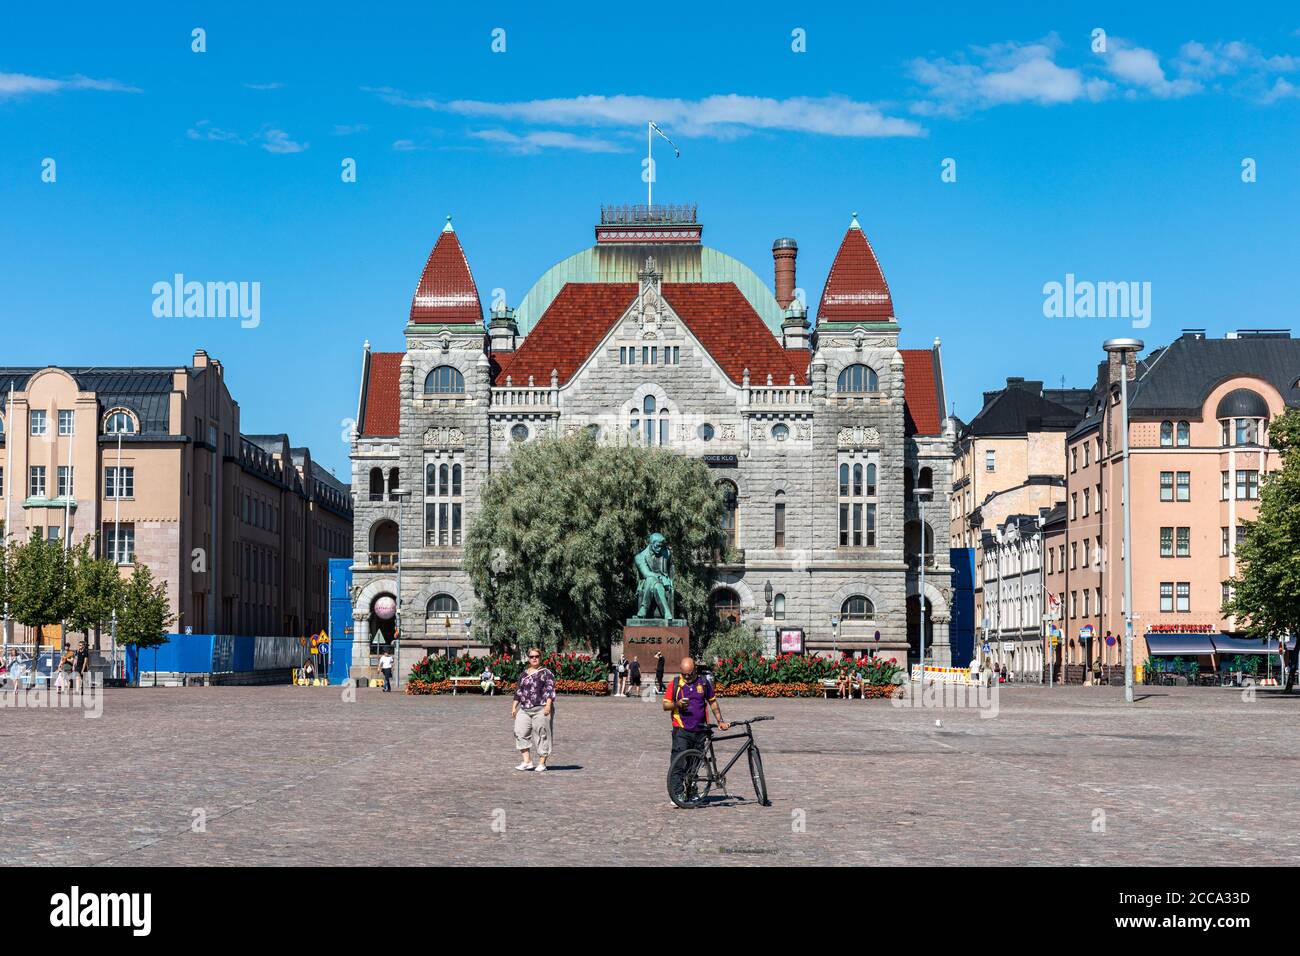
(698, 767)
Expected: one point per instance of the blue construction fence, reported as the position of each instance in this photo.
(961, 624)
(340, 627)
(215, 654)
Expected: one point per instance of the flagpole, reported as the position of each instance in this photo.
(117, 537)
(9, 481)
(650, 167)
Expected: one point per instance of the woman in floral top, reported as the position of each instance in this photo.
(533, 710)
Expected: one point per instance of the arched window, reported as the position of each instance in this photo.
(871, 480)
(844, 480)
(376, 484)
(119, 423)
(1184, 434)
(431, 480)
(444, 380)
(857, 608)
(857, 481)
(455, 481)
(383, 544)
(726, 604)
(927, 478)
(393, 484)
(729, 497)
(778, 607)
(442, 605)
(1166, 434)
(858, 378)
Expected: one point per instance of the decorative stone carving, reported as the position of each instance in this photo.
(437, 437)
(803, 432)
(729, 432)
(498, 434)
(757, 432)
(858, 436)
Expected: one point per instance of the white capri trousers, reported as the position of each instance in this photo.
(534, 730)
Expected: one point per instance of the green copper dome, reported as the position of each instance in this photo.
(622, 262)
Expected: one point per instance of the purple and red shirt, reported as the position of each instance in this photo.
(692, 698)
(535, 689)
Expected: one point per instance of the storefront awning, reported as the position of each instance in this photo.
(1228, 646)
(1179, 645)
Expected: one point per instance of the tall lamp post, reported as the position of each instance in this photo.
(1123, 348)
(922, 494)
(401, 494)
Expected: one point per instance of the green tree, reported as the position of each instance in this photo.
(1266, 590)
(97, 589)
(550, 553)
(6, 571)
(146, 614)
(42, 583)
(732, 640)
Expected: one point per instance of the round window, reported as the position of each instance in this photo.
(519, 432)
(706, 432)
(780, 432)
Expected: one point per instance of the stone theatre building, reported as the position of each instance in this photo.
(819, 432)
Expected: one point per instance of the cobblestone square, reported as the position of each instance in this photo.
(297, 776)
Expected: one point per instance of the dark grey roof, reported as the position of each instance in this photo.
(1242, 403)
(1023, 406)
(145, 390)
(1178, 379)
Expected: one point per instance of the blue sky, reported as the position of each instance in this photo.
(1123, 165)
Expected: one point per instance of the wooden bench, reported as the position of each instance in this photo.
(830, 686)
(471, 681)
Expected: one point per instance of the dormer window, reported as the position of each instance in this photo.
(858, 379)
(119, 422)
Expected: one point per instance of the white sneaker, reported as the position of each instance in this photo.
(524, 766)
(540, 767)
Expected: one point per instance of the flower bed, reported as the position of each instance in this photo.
(573, 668)
(420, 688)
(803, 669)
(750, 689)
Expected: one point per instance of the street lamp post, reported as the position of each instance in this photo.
(921, 496)
(401, 495)
(1123, 348)
(835, 633)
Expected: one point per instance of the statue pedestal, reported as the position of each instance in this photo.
(642, 637)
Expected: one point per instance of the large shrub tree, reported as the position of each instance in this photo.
(97, 590)
(146, 613)
(550, 553)
(41, 588)
(1266, 590)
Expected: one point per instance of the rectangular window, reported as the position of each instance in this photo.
(677, 355)
(1247, 485)
(37, 418)
(64, 487)
(1166, 596)
(1184, 486)
(1225, 490)
(1184, 596)
(871, 526)
(36, 481)
(1074, 459)
(1085, 465)
(844, 525)
(1074, 506)
(119, 482)
(990, 460)
(443, 535)
(1225, 594)
(1241, 535)
(1223, 542)
(1166, 542)
(1074, 554)
(1085, 602)
(1086, 498)
(1184, 549)
(119, 542)
(857, 525)
(455, 523)
(778, 525)
(622, 355)
(654, 355)
(1166, 486)
(645, 355)
(65, 422)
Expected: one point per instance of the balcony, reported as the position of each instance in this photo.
(383, 559)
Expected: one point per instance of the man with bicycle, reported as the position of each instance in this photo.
(689, 697)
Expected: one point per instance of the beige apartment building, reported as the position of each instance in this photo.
(152, 460)
(1009, 460)
(1200, 411)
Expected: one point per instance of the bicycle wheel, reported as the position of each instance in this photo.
(697, 779)
(756, 774)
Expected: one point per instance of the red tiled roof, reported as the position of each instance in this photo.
(568, 331)
(717, 313)
(720, 316)
(855, 290)
(381, 413)
(446, 293)
(921, 412)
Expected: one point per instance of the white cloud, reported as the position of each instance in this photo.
(535, 142)
(407, 146)
(263, 86)
(204, 130)
(1000, 74)
(1280, 90)
(349, 129)
(13, 85)
(722, 115)
(1140, 67)
(278, 141)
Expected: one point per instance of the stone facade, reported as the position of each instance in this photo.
(782, 438)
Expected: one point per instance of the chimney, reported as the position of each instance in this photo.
(1114, 360)
(784, 252)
